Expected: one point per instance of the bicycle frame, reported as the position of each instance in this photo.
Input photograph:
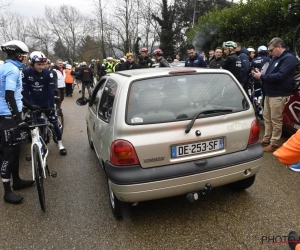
(38, 140)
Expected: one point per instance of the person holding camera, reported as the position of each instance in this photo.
(278, 81)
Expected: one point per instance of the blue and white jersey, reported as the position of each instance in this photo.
(38, 88)
(10, 79)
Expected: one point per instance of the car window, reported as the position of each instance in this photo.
(96, 97)
(172, 98)
(107, 100)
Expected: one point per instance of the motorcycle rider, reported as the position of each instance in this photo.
(144, 54)
(159, 58)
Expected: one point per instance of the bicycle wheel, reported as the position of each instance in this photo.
(296, 43)
(39, 177)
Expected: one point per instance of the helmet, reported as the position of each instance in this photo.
(83, 63)
(251, 50)
(52, 64)
(144, 50)
(157, 52)
(262, 49)
(122, 59)
(93, 60)
(1, 62)
(68, 66)
(15, 46)
(229, 44)
(37, 56)
(109, 58)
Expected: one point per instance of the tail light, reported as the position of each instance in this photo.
(254, 132)
(122, 153)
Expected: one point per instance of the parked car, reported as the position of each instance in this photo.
(172, 131)
(291, 112)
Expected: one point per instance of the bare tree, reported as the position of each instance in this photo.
(68, 25)
(13, 27)
(100, 17)
(41, 36)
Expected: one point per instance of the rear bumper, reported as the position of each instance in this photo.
(134, 184)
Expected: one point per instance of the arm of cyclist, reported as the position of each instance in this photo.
(12, 105)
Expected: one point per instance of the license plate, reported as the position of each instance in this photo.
(197, 148)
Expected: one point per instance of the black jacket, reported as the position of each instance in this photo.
(216, 63)
(85, 74)
(233, 64)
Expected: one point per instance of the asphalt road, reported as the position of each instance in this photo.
(78, 214)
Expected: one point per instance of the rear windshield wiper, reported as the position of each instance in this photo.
(205, 112)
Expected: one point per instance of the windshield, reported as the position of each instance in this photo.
(173, 98)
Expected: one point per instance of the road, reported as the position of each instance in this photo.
(78, 214)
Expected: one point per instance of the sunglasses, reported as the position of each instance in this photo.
(271, 50)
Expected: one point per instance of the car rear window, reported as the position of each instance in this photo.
(180, 97)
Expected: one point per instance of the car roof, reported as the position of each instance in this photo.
(152, 72)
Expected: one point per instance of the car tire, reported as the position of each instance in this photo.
(89, 139)
(119, 208)
(243, 184)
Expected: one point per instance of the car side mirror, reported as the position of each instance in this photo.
(81, 101)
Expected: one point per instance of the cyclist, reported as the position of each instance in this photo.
(233, 62)
(159, 58)
(38, 89)
(10, 118)
(144, 54)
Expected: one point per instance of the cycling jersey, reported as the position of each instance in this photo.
(10, 79)
(38, 88)
(259, 61)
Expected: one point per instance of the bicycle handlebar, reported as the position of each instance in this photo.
(37, 125)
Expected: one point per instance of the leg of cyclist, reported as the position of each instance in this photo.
(10, 139)
(53, 120)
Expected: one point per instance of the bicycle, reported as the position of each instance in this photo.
(296, 38)
(39, 153)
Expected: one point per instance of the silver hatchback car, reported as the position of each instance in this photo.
(165, 132)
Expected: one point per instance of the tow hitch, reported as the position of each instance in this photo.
(191, 197)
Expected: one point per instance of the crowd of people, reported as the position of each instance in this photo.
(270, 71)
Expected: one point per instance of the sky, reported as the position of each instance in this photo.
(36, 8)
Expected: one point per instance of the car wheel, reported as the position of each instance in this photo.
(243, 184)
(118, 207)
(89, 139)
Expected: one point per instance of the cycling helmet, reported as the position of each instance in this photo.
(93, 60)
(144, 50)
(229, 44)
(14, 46)
(109, 58)
(68, 66)
(37, 56)
(251, 50)
(83, 63)
(262, 49)
(157, 52)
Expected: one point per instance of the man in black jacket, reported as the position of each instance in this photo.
(85, 75)
(233, 62)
